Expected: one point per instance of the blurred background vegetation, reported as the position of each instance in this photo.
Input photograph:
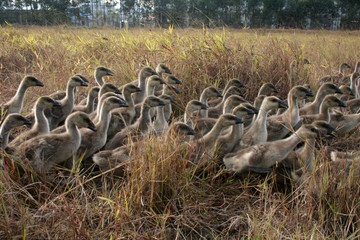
(314, 14)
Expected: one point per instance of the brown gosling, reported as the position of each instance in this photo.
(90, 101)
(192, 107)
(205, 147)
(267, 89)
(41, 125)
(91, 141)
(106, 88)
(171, 79)
(257, 104)
(330, 101)
(59, 114)
(267, 154)
(15, 104)
(324, 90)
(118, 158)
(13, 120)
(219, 107)
(226, 142)
(58, 95)
(347, 93)
(279, 126)
(209, 92)
(257, 132)
(160, 124)
(45, 151)
(141, 126)
(143, 75)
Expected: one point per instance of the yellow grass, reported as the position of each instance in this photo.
(162, 199)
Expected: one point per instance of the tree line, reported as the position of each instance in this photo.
(328, 14)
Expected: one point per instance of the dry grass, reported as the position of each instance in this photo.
(161, 198)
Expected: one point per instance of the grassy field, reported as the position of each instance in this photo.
(162, 199)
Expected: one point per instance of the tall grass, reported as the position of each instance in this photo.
(161, 197)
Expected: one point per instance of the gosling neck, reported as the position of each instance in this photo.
(211, 137)
(5, 133)
(18, 99)
(99, 78)
(324, 112)
(41, 122)
(307, 154)
(160, 117)
(72, 130)
(293, 111)
(288, 144)
(204, 99)
(145, 119)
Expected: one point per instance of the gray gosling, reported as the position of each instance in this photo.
(59, 113)
(13, 120)
(267, 89)
(257, 104)
(58, 95)
(91, 141)
(257, 132)
(205, 147)
(231, 83)
(43, 152)
(217, 110)
(335, 77)
(191, 108)
(324, 90)
(90, 101)
(209, 92)
(15, 104)
(41, 125)
(267, 154)
(141, 126)
(143, 75)
(279, 126)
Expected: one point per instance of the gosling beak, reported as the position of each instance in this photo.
(283, 104)
(117, 91)
(56, 104)
(137, 89)
(321, 134)
(238, 120)
(275, 90)
(173, 99)
(177, 81)
(191, 132)
(83, 78)
(27, 122)
(39, 84)
(204, 106)
(219, 95)
(161, 103)
(255, 110)
(84, 84)
(168, 71)
(341, 104)
(338, 90)
(177, 91)
(110, 73)
(91, 126)
(242, 85)
(309, 93)
(249, 111)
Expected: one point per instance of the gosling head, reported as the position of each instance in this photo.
(330, 88)
(171, 79)
(14, 120)
(345, 65)
(258, 101)
(82, 78)
(346, 90)
(236, 83)
(273, 102)
(152, 101)
(242, 111)
(109, 87)
(46, 103)
(227, 120)
(301, 92)
(182, 129)
(195, 105)
(268, 89)
(81, 120)
(147, 72)
(167, 99)
(30, 81)
(324, 127)
(94, 92)
(234, 100)
(103, 71)
(212, 92)
(333, 101)
(154, 80)
(76, 81)
(250, 107)
(162, 68)
(170, 90)
(234, 91)
(309, 131)
(114, 102)
(131, 88)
